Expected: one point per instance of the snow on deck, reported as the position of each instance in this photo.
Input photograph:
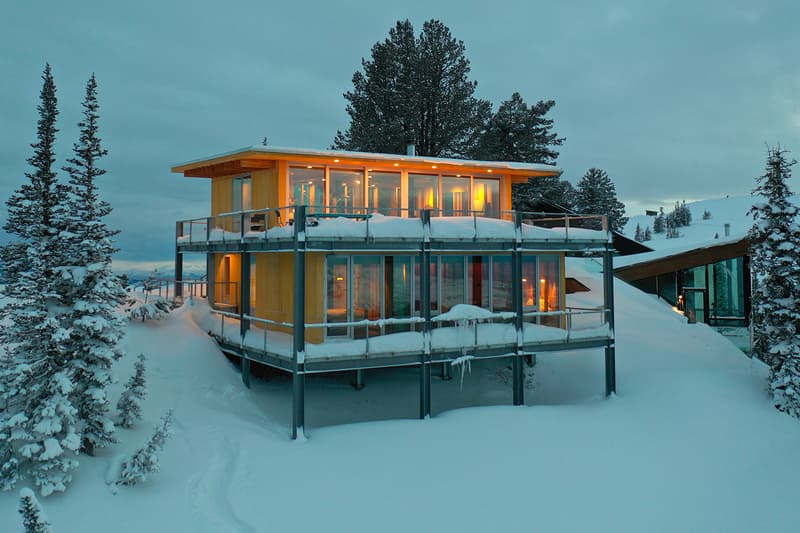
(377, 226)
(470, 334)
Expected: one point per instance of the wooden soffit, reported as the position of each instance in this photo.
(682, 261)
(249, 160)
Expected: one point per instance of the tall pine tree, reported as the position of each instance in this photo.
(93, 290)
(775, 242)
(38, 425)
(597, 195)
(415, 89)
(517, 132)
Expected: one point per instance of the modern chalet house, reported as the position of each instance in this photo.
(330, 261)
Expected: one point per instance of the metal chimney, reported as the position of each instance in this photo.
(411, 149)
(727, 230)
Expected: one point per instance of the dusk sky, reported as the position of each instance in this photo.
(675, 100)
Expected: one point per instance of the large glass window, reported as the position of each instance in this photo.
(455, 196)
(550, 288)
(452, 281)
(422, 193)
(486, 197)
(501, 284)
(529, 281)
(383, 193)
(337, 277)
(478, 280)
(727, 294)
(397, 291)
(434, 286)
(308, 186)
(347, 190)
(366, 292)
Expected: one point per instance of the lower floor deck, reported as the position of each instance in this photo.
(448, 344)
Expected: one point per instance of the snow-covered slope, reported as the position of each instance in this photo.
(691, 442)
(732, 210)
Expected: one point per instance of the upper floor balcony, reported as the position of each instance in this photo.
(394, 228)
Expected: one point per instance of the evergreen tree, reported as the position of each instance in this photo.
(129, 406)
(414, 89)
(517, 132)
(658, 224)
(93, 290)
(597, 195)
(775, 242)
(526, 196)
(33, 518)
(647, 234)
(638, 236)
(144, 462)
(38, 426)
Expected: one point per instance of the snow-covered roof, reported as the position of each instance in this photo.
(700, 234)
(534, 168)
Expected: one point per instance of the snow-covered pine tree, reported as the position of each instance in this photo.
(144, 461)
(638, 236)
(658, 224)
(597, 195)
(706, 214)
(648, 235)
(34, 519)
(775, 243)
(38, 428)
(129, 406)
(93, 290)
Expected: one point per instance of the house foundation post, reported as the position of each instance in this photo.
(210, 280)
(516, 301)
(299, 344)
(178, 264)
(358, 381)
(608, 305)
(425, 303)
(244, 312)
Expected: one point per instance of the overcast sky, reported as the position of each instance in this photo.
(675, 100)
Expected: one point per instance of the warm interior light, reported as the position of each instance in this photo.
(339, 278)
(433, 166)
(490, 171)
(309, 166)
(335, 160)
(479, 197)
(358, 182)
(397, 164)
(524, 280)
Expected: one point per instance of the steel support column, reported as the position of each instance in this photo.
(608, 305)
(299, 345)
(178, 264)
(516, 302)
(425, 304)
(210, 279)
(244, 311)
(358, 381)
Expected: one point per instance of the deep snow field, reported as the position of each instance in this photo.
(690, 443)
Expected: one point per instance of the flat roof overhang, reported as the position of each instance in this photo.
(683, 260)
(253, 158)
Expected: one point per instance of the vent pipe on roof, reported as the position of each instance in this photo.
(727, 230)
(411, 149)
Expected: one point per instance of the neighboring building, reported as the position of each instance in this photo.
(323, 261)
(709, 282)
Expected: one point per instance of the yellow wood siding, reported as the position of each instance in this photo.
(275, 290)
(221, 195)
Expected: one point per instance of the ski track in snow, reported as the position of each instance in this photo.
(209, 491)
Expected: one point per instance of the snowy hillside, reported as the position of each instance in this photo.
(732, 210)
(691, 443)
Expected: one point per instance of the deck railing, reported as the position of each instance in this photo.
(332, 222)
(275, 337)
